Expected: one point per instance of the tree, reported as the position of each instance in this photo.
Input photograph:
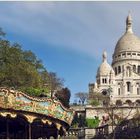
(23, 70)
(92, 122)
(82, 97)
(64, 96)
(15, 70)
(54, 82)
(100, 98)
(2, 34)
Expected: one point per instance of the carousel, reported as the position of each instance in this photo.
(27, 117)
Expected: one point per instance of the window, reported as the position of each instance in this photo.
(128, 86)
(138, 89)
(104, 92)
(115, 71)
(129, 102)
(119, 91)
(119, 69)
(139, 69)
(134, 68)
(128, 69)
(104, 80)
(138, 102)
(119, 103)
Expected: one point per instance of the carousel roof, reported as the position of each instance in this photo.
(19, 101)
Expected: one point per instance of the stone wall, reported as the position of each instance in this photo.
(117, 112)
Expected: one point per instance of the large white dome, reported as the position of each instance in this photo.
(128, 42)
(128, 46)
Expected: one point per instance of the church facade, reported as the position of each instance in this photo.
(122, 77)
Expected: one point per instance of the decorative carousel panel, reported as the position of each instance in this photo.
(20, 101)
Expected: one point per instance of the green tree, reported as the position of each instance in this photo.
(99, 98)
(23, 70)
(2, 34)
(92, 122)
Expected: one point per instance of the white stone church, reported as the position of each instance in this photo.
(123, 75)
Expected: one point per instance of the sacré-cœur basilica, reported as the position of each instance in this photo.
(123, 75)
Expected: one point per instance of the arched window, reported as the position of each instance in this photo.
(128, 69)
(129, 102)
(137, 102)
(138, 89)
(134, 68)
(128, 86)
(119, 103)
(139, 69)
(119, 69)
(115, 71)
(105, 80)
(119, 91)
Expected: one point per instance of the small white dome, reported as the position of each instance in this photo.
(104, 68)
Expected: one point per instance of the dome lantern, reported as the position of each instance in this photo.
(129, 24)
(104, 56)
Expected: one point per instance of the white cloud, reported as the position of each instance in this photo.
(88, 27)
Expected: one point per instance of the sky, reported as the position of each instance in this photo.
(69, 37)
